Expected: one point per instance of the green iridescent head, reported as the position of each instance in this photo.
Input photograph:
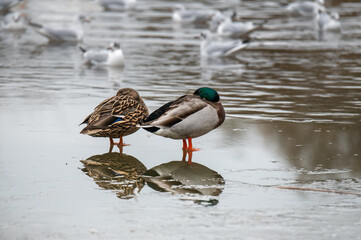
(208, 93)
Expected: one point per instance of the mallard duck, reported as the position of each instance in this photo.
(116, 117)
(188, 117)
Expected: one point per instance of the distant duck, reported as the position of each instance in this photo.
(117, 5)
(116, 117)
(220, 49)
(228, 28)
(328, 22)
(15, 21)
(183, 15)
(188, 117)
(306, 8)
(72, 34)
(112, 56)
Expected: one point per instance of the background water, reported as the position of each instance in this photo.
(293, 106)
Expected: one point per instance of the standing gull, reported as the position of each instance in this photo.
(6, 5)
(220, 49)
(306, 8)
(328, 22)
(72, 34)
(117, 5)
(112, 56)
(183, 15)
(227, 28)
(15, 21)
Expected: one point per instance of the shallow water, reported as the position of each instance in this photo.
(293, 106)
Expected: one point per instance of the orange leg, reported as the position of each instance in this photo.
(111, 144)
(120, 144)
(184, 155)
(190, 155)
(184, 144)
(190, 146)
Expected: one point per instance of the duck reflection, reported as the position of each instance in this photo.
(116, 171)
(193, 182)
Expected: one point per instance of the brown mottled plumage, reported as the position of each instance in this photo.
(118, 172)
(117, 116)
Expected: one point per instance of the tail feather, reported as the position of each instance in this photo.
(36, 25)
(260, 25)
(237, 48)
(150, 128)
(82, 49)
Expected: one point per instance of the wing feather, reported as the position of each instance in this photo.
(108, 111)
(175, 111)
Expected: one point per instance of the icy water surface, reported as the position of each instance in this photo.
(286, 163)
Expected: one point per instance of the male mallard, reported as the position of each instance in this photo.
(188, 117)
(116, 117)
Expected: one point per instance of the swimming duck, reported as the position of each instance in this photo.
(116, 117)
(188, 117)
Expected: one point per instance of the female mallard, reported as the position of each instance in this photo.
(188, 117)
(116, 117)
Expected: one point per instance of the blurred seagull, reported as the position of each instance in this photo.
(117, 5)
(73, 34)
(6, 5)
(182, 15)
(220, 49)
(227, 28)
(306, 8)
(216, 19)
(15, 22)
(328, 22)
(112, 56)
